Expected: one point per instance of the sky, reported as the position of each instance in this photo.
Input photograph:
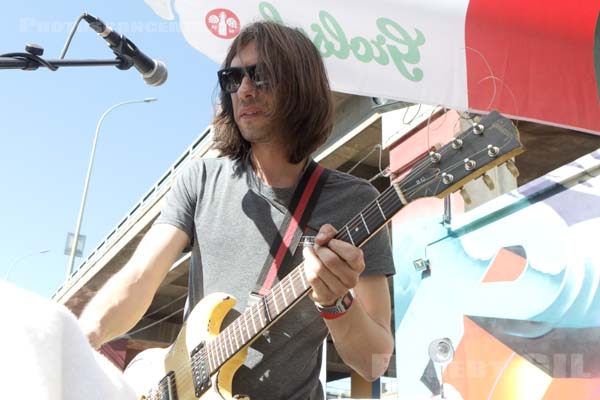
(48, 121)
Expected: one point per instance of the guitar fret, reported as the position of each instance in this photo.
(260, 317)
(267, 311)
(213, 353)
(293, 289)
(380, 209)
(235, 336)
(209, 352)
(229, 334)
(223, 345)
(220, 348)
(274, 303)
(284, 294)
(365, 223)
(350, 236)
(304, 285)
(253, 321)
(247, 327)
(211, 365)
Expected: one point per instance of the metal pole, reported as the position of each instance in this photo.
(87, 181)
(21, 259)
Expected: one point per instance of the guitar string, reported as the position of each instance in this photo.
(271, 296)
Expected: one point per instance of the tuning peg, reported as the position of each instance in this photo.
(447, 178)
(488, 181)
(457, 143)
(493, 150)
(435, 157)
(469, 164)
(466, 197)
(478, 129)
(512, 168)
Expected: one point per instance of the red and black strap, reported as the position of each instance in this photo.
(301, 206)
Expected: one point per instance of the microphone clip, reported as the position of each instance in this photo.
(122, 53)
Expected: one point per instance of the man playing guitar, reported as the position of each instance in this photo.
(275, 109)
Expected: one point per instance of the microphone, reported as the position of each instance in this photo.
(154, 72)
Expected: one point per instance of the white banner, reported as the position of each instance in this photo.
(374, 51)
(531, 60)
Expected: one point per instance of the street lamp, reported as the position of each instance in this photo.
(21, 259)
(87, 180)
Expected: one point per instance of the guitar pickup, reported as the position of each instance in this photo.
(200, 370)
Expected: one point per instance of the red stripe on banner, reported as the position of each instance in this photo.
(289, 234)
(542, 52)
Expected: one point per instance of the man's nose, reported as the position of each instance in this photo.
(247, 87)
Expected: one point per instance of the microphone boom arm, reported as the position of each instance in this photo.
(30, 62)
(127, 55)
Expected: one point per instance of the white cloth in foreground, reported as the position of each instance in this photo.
(44, 355)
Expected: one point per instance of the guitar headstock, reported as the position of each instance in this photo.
(487, 144)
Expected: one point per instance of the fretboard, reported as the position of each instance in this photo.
(294, 286)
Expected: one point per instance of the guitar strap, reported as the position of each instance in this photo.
(290, 232)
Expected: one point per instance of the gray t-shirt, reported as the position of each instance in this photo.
(232, 218)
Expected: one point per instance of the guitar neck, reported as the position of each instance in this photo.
(294, 286)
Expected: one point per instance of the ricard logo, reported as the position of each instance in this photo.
(223, 23)
(393, 44)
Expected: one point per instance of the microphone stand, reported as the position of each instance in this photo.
(25, 62)
(32, 60)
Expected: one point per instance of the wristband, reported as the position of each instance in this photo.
(339, 308)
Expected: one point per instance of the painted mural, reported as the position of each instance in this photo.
(513, 285)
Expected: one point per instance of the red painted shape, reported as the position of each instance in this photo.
(573, 388)
(479, 362)
(506, 267)
(541, 51)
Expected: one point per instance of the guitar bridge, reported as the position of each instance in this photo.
(166, 389)
(200, 370)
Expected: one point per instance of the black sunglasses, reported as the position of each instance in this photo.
(230, 79)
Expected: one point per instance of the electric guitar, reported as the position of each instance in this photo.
(201, 363)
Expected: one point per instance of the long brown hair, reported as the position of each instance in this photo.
(295, 73)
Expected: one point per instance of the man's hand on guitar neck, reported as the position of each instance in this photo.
(332, 266)
(362, 335)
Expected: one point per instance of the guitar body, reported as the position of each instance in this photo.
(203, 323)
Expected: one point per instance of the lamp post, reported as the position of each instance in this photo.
(87, 180)
(21, 259)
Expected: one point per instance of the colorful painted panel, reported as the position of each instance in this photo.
(513, 285)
